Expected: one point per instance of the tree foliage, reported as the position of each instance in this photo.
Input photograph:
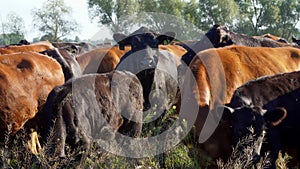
(278, 17)
(54, 19)
(217, 12)
(109, 12)
(12, 29)
(252, 17)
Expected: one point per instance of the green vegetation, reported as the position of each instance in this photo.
(252, 17)
(187, 155)
(54, 20)
(13, 29)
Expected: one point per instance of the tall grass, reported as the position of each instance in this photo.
(15, 154)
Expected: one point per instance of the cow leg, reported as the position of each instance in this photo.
(34, 144)
(273, 146)
(58, 137)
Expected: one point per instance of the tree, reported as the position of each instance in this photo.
(13, 29)
(289, 17)
(110, 13)
(217, 12)
(278, 17)
(54, 18)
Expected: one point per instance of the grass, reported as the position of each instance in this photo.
(15, 154)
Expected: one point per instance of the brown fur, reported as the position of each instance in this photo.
(101, 60)
(236, 65)
(35, 47)
(26, 79)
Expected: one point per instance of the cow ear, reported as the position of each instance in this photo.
(122, 40)
(275, 116)
(166, 38)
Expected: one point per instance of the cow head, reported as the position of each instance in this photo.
(218, 35)
(244, 118)
(143, 58)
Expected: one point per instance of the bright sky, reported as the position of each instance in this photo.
(23, 8)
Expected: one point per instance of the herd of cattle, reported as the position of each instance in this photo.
(240, 81)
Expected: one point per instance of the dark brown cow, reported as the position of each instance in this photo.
(76, 48)
(264, 99)
(218, 73)
(91, 107)
(34, 47)
(220, 36)
(273, 37)
(26, 80)
(70, 66)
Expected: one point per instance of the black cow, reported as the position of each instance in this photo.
(156, 69)
(89, 108)
(220, 36)
(269, 104)
(70, 66)
(295, 40)
(76, 48)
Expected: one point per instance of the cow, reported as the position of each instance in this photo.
(89, 108)
(295, 40)
(34, 47)
(220, 36)
(155, 68)
(268, 104)
(69, 65)
(101, 60)
(77, 48)
(273, 37)
(217, 73)
(26, 80)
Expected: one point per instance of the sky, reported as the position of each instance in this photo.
(23, 8)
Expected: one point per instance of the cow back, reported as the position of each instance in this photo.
(101, 60)
(35, 47)
(26, 80)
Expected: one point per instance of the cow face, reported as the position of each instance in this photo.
(218, 36)
(144, 48)
(244, 118)
(144, 56)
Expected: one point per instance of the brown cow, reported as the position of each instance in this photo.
(102, 60)
(26, 80)
(218, 72)
(273, 37)
(35, 47)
